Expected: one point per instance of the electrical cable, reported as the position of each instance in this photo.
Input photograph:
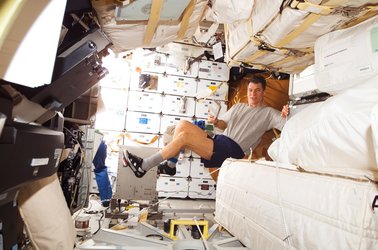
(166, 198)
(73, 137)
(99, 221)
(155, 236)
(203, 239)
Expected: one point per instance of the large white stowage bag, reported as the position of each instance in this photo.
(317, 212)
(348, 57)
(335, 134)
(47, 218)
(229, 11)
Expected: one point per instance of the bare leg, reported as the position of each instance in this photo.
(188, 135)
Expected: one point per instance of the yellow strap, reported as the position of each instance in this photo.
(128, 136)
(115, 148)
(213, 89)
(283, 61)
(153, 21)
(370, 12)
(255, 56)
(298, 69)
(185, 20)
(249, 34)
(308, 21)
(276, 133)
(311, 7)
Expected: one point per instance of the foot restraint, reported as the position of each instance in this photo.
(163, 168)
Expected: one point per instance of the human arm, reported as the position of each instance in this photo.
(217, 123)
(277, 119)
(225, 118)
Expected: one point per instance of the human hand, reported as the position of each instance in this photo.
(285, 111)
(212, 119)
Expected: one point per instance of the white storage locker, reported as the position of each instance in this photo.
(149, 61)
(114, 98)
(172, 187)
(303, 83)
(137, 139)
(178, 65)
(181, 49)
(179, 85)
(197, 169)
(148, 82)
(202, 189)
(142, 122)
(182, 168)
(145, 102)
(212, 90)
(168, 120)
(203, 107)
(178, 105)
(111, 120)
(213, 71)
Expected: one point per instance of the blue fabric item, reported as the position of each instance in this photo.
(101, 172)
(224, 147)
(100, 156)
(200, 123)
(173, 159)
(103, 183)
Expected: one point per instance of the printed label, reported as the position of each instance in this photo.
(39, 162)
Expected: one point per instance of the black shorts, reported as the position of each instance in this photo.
(224, 147)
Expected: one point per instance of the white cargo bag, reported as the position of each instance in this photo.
(335, 135)
(348, 57)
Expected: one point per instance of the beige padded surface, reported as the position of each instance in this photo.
(45, 213)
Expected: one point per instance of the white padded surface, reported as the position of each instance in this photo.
(130, 36)
(332, 135)
(321, 212)
(47, 218)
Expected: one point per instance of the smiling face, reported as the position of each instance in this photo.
(255, 94)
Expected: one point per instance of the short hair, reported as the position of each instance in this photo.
(258, 79)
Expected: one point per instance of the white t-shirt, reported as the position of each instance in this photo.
(246, 125)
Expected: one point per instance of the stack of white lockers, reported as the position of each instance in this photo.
(161, 91)
(178, 95)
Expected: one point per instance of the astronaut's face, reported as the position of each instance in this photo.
(255, 94)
